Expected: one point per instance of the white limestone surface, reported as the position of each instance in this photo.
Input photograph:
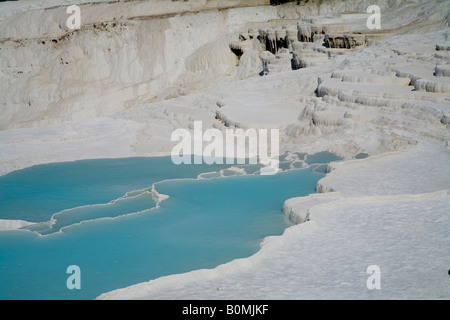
(6, 224)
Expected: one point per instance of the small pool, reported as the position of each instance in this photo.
(111, 217)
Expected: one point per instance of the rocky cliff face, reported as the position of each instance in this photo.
(124, 53)
(128, 53)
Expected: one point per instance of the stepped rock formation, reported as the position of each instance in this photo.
(344, 41)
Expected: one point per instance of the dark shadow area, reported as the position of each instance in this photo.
(293, 66)
(277, 2)
(237, 52)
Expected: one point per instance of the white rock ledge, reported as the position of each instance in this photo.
(6, 224)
